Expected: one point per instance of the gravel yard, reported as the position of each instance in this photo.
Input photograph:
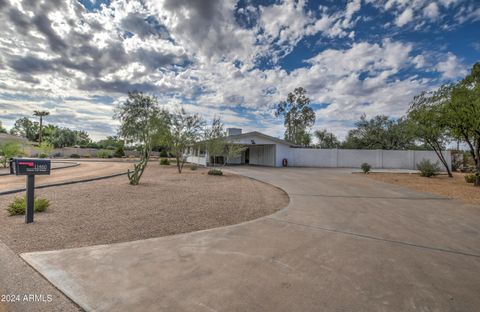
(455, 187)
(165, 203)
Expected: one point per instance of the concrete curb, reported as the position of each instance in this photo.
(63, 183)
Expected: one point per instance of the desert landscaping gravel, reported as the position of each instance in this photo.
(455, 187)
(165, 203)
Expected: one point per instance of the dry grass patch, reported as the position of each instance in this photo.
(165, 203)
(455, 187)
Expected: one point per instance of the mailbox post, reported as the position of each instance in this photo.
(30, 168)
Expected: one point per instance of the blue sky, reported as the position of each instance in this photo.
(236, 59)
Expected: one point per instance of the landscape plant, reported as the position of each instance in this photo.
(19, 205)
(8, 150)
(366, 168)
(119, 152)
(470, 178)
(141, 122)
(215, 172)
(193, 167)
(104, 154)
(44, 149)
(164, 162)
(427, 168)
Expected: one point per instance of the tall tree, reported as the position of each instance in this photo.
(326, 139)
(462, 113)
(40, 114)
(184, 131)
(144, 123)
(298, 116)
(426, 115)
(380, 132)
(24, 127)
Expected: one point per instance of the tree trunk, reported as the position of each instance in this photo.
(477, 165)
(135, 175)
(438, 150)
(179, 167)
(40, 133)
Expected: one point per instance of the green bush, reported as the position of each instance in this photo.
(19, 205)
(119, 152)
(104, 154)
(74, 156)
(366, 168)
(164, 162)
(470, 178)
(428, 169)
(193, 167)
(163, 153)
(43, 155)
(216, 172)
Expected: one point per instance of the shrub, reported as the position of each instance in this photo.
(74, 156)
(43, 155)
(104, 154)
(216, 172)
(193, 167)
(366, 168)
(19, 205)
(428, 169)
(119, 152)
(163, 153)
(470, 178)
(164, 162)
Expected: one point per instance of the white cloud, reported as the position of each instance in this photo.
(451, 67)
(404, 18)
(431, 10)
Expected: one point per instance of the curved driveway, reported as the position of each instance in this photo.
(345, 243)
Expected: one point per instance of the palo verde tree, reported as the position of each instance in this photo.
(462, 113)
(426, 117)
(214, 139)
(184, 131)
(298, 116)
(144, 123)
(40, 114)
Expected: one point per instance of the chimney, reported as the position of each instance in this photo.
(234, 131)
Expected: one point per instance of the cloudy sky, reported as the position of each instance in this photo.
(237, 59)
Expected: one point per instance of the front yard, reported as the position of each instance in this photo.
(455, 187)
(165, 203)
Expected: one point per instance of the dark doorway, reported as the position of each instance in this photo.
(247, 156)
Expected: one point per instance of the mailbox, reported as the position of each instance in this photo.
(30, 168)
(25, 166)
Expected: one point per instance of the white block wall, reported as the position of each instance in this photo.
(344, 158)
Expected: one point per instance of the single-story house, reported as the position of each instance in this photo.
(264, 150)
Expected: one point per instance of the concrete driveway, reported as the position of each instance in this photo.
(345, 243)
